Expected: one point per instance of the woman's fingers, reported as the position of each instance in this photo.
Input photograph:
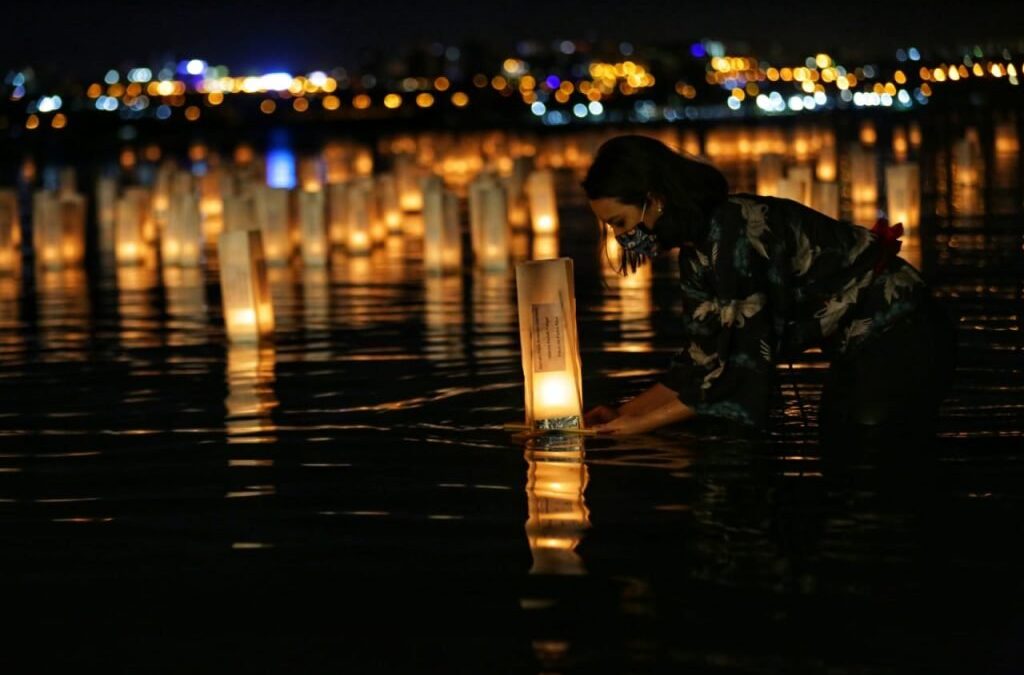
(600, 415)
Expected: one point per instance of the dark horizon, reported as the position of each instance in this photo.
(82, 39)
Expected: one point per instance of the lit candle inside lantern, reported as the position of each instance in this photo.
(770, 170)
(900, 144)
(825, 170)
(363, 163)
(248, 310)
(313, 242)
(130, 243)
(477, 188)
(408, 177)
(868, 135)
(540, 190)
(967, 160)
(442, 239)
(550, 347)
(9, 228)
(388, 202)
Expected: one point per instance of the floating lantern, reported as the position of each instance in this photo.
(272, 213)
(825, 198)
(182, 241)
(868, 135)
(1007, 141)
(540, 190)
(914, 135)
(358, 237)
(248, 309)
(313, 242)
(67, 182)
(797, 185)
(556, 481)
(337, 213)
(825, 169)
(863, 176)
(106, 211)
(388, 203)
(480, 185)
(407, 175)
(967, 160)
(240, 214)
(310, 174)
(903, 195)
(494, 229)
(47, 229)
(900, 144)
(363, 163)
(131, 247)
(9, 232)
(770, 170)
(442, 239)
(550, 347)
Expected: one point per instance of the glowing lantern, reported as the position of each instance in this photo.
(825, 169)
(903, 195)
(313, 242)
(130, 244)
(9, 229)
(72, 221)
(796, 185)
(442, 240)
(388, 203)
(358, 237)
(1007, 141)
(493, 251)
(106, 211)
(550, 347)
(68, 182)
(182, 240)
(248, 310)
(240, 214)
(337, 213)
(407, 175)
(868, 135)
(967, 160)
(272, 213)
(770, 170)
(863, 176)
(825, 198)
(477, 188)
(47, 230)
(540, 190)
(914, 136)
(900, 144)
(363, 163)
(310, 174)
(556, 481)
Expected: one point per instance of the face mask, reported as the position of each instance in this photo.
(638, 245)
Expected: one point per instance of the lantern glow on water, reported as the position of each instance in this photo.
(550, 346)
(556, 481)
(248, 309)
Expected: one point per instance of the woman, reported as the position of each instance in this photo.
(764, 279)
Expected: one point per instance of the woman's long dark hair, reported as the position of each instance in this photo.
(629, 168)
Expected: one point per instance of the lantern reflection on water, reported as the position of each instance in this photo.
(549, 344)
(248, 309)
(540, 191)
(556, 482)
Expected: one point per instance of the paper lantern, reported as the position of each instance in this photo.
(9, 232)
(825, 198)
(868, 135)
(245, 291)
(770, 170)
(272, 213)
(480, 185)
(47, 229)
(550, 346)
(130, 243)
(863, 176)
(337, 213)
(313, 242)
(442, 239)
(900, 144)
(825, 169)
(106, 211)
(493, 253)
(540, 190)
(1007, 141)
(903, 195)
(358, 239)
(796, 185)
(558, 517)
(67, 180)
(311, 174)
(388, 203)
(407, 175)
(240, 213)
(363, 163)
(968, 163)
(182, 240)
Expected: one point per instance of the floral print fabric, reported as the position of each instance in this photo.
(771, 279)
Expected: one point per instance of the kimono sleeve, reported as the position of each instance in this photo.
(726, 367)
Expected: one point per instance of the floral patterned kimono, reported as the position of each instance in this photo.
(770, 279)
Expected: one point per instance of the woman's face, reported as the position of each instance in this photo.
(622, 218)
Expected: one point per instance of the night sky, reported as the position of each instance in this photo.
(88, 37)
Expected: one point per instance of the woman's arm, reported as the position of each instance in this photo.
(670, 411)
(647, 401)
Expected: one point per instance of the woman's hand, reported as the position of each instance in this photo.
(670, 412)
(600, 415)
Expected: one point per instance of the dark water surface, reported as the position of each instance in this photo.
(196, 504)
